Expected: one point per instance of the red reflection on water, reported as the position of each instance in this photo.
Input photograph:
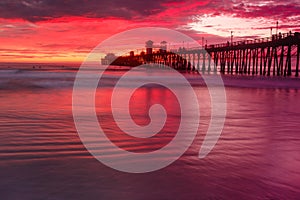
(140, 102)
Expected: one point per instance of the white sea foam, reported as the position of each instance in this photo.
(19, 78)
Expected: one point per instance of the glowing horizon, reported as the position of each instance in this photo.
(38, 31)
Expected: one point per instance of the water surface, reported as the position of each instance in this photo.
(42, 157)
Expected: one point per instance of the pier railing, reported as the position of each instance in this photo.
(263, 56)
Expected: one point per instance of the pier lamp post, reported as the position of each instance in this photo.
(271, 31)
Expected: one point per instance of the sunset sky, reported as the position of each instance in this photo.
(66, 30)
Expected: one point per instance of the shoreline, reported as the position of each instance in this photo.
(39, 76)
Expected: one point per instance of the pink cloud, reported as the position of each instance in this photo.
(71, 29)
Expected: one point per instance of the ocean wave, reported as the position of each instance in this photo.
(32, 79)
(261, 82)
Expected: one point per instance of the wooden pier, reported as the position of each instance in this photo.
(266, 56)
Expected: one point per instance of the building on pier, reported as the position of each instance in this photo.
(108, 59)
(276, 55)
(149, 47)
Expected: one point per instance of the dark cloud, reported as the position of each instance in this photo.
(272, 9)
(280, 11)
(37, 10)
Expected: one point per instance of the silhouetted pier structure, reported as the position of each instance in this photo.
(266, 56)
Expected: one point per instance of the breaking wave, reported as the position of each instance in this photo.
(11, 79)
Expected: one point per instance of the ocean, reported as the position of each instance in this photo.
(42, 156)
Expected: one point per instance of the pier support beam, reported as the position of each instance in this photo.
(288, 61)
(297, 62)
